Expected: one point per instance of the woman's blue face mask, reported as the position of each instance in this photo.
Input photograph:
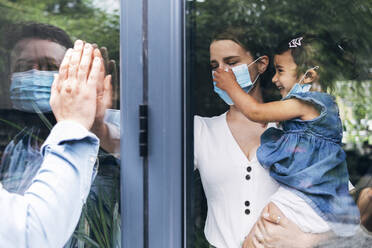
(30, 90)
(243, 78)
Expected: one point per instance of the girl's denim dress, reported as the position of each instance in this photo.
(307, 158)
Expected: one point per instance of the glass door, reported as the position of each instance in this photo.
(218, 210)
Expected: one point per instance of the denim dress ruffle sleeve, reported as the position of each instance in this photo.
(306, 157)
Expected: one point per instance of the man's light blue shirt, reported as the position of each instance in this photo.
(47, 214)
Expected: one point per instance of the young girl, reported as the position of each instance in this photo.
(305, 157)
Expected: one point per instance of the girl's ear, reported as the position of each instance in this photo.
(262, 64)
(310, 76)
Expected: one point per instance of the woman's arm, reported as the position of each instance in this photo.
(262, 112)
(273, 229)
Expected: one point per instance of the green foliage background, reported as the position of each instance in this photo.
(79, 18)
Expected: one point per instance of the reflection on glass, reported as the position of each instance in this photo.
(36, 35)
(226, 34)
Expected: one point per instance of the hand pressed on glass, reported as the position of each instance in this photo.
(75, 89)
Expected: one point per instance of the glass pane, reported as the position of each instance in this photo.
(328, 46)
(35, 37)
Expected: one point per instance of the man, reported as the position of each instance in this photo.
(47, 213)
(36, 52)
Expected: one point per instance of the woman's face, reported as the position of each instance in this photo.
(227, 54)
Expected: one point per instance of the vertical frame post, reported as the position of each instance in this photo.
(131, 95)
(152, 66)
(165, 98)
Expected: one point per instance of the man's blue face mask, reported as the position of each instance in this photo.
(30, 90)
(243, 78)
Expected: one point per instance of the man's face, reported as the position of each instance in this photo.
(37, 54)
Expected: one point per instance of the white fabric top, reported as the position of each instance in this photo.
(223, 169)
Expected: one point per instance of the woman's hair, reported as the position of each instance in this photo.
(309, 50)
(242, 37)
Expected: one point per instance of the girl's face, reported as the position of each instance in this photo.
(285, 72)
(227, 54)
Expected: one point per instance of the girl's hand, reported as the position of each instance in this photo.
(225, 79)
(273, 229)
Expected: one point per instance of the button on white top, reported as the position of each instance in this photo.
(92, 159)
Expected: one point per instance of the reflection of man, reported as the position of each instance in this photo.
(47, 213)
(37, 51)
(35, 57)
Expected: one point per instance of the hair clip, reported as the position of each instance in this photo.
(295, 42)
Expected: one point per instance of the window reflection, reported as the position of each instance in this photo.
(263, 24)
(35, 38)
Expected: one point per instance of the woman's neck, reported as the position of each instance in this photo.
(235, 114)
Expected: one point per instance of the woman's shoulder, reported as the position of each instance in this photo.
(200, 120)
(206, 126)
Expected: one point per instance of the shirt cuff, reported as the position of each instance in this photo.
(65, 131)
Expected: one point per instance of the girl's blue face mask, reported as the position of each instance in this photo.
(299, 87)
(243, 78)
(30, 90)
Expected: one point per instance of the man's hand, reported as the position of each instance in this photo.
(75, 89)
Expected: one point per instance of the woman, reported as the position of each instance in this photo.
(236, 186)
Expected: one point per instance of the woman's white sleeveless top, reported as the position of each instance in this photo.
(236, 189)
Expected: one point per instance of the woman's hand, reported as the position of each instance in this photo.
(225, 79)
(273, 229)
(365, 207)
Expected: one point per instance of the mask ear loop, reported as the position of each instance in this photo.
(303, 77)
(258, 75)
(255, 61)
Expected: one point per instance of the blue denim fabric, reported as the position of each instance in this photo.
(306, 156)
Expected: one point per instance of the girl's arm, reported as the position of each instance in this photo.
(262, 112)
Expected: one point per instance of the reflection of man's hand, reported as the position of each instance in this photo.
(75, 88)
(104, 97)
(110, 68)
(106, 100)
